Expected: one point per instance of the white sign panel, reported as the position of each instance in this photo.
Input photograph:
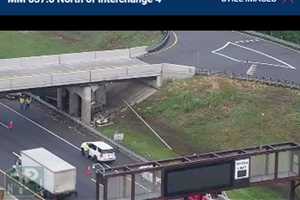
(242, 169)
(118, 136)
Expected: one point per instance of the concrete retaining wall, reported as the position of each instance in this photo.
(171, 71)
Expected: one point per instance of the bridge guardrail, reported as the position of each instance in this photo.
(161, 43)
(268, 80)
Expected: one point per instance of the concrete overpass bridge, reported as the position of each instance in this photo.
(79, 77)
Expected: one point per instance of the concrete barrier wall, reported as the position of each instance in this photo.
(77, 57)
(112, 54)
(71, 78)
(137, 51)
(30, 81)
(8, 63)
(39, 60)
(171, 71)
(5, 84)
(72, 57)
(108, 74)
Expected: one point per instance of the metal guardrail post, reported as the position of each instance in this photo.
(2, 191)
(132, 187)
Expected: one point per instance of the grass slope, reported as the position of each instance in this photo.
(34, 43)
(291, 36)
(211, 113)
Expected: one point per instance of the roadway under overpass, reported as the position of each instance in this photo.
(81, 78)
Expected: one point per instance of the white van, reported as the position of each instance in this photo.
(98, 151)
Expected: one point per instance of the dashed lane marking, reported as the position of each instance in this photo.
(247, 41)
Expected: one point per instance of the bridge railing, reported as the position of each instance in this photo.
(72, 57)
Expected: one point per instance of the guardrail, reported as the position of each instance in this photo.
(71, 58)
(267, 80)
(161, 43)
(273, 39)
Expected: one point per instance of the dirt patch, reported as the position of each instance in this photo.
(62, 36)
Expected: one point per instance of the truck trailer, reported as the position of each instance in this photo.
(54, 175)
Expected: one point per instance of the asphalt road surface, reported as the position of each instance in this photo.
(41, 127)
(229, 51)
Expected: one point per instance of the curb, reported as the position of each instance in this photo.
(160, 44)
(123, 149)
(273, 39)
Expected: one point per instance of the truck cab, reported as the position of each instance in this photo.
(98, 151)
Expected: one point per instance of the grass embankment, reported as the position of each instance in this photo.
(35, 43)
(210, 113)
(291, 36)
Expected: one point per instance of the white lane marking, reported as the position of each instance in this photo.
(40, 126)
(246, 41)
(47, 130)
(264, 54)
(15, 154)
(4, 125)
(286, 65)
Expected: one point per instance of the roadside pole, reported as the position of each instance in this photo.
(100, 170)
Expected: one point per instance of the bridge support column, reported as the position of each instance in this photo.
(60, 98)
(100, 95)
(158, 81)
(74, 104)
(86, 105)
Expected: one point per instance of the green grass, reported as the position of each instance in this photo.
(255, 193)
(35, 43)
(228, 117)
(141, 142)
(291, 36)
(213, 113)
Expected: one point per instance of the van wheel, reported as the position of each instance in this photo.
(82, 152)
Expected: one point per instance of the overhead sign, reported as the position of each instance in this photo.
(197, 178)
(241, 169)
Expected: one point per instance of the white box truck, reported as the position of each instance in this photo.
(50, 172)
